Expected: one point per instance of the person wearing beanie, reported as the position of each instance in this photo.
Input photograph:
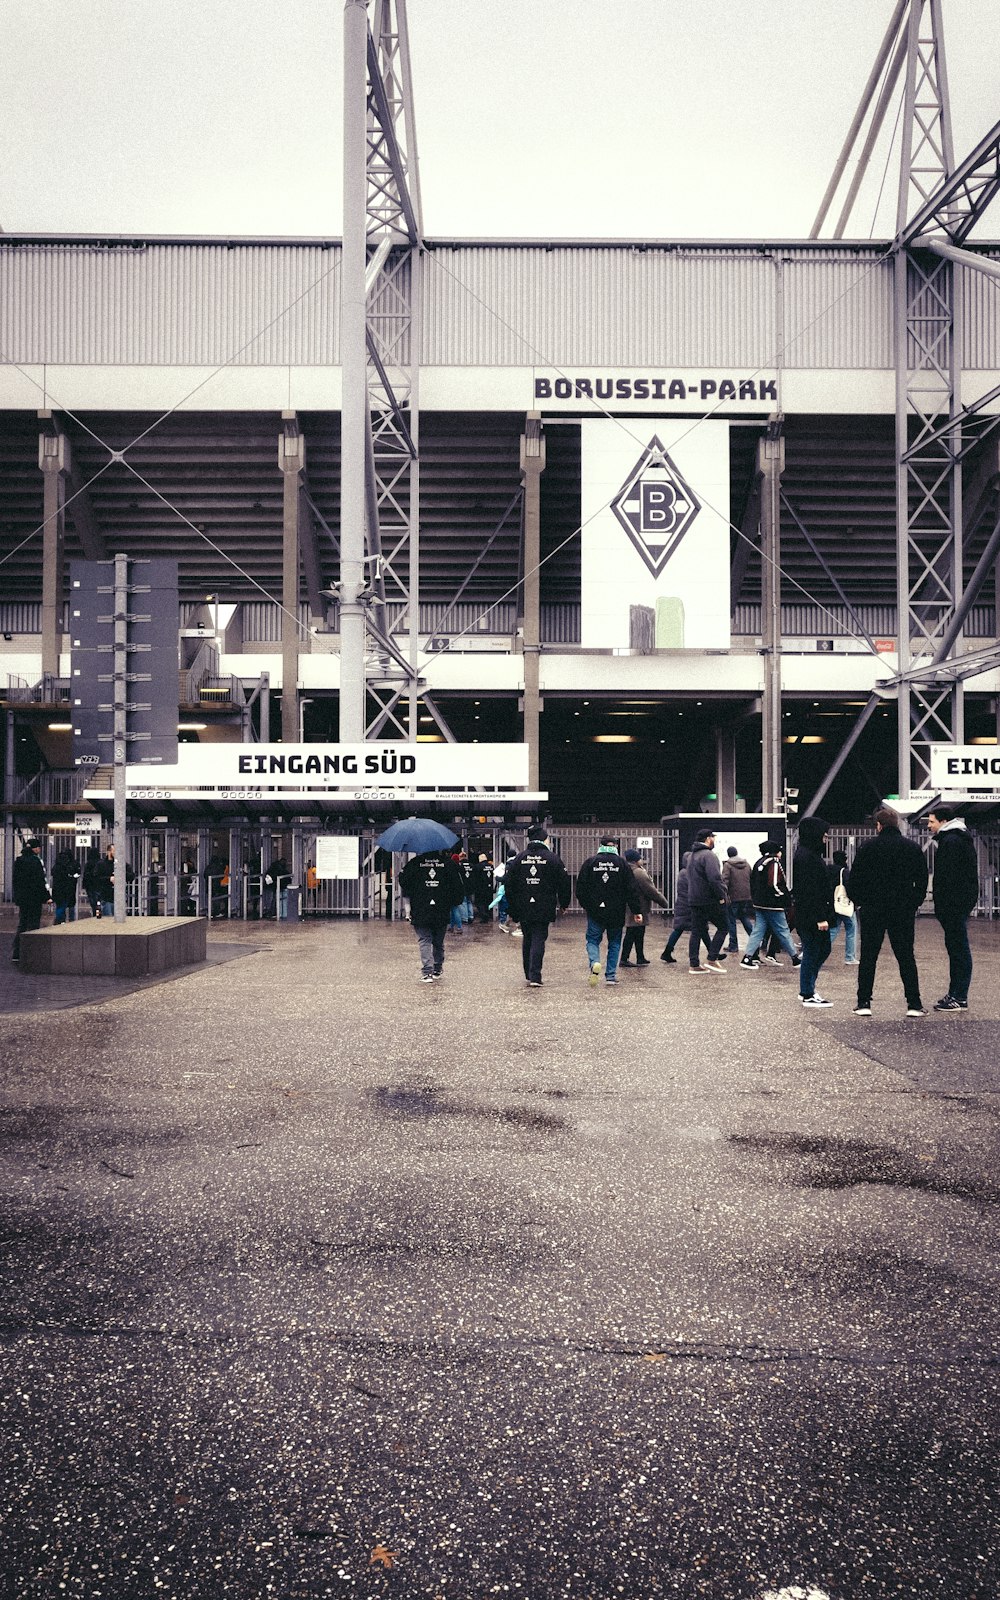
(606, 890)
(635, 924)
(29, 891)
(887, 883)
(814, 914)
(537, 887)
(771, 899)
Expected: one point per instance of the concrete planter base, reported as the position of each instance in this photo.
(139, 947)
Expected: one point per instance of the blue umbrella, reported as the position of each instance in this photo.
(417, 834)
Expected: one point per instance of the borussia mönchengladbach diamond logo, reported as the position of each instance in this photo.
(655, 506)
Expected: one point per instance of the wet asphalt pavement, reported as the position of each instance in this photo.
(320, 1281)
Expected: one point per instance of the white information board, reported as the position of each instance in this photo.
(337, 856)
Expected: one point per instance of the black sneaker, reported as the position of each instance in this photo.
(949, 1003)
(670, 960)
(750, 962)
(863, 1009)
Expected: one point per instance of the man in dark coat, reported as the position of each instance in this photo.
(65, 877)
(30, 892)
(606, 889)
(707, 898)
(956, 892)
(537, 887)
(433, 884)
(814, 913)
(887, 883)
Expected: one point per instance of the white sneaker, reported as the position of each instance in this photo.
(715, 966)
(814, 1000)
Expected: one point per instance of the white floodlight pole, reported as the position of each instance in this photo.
(354, 371)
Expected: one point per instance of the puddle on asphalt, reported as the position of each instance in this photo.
(846, 1163)
(424, 1100)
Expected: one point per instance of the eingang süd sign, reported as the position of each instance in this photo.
(367, 771)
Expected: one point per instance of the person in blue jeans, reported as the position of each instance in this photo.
(770, 894)
(606, 888)
(838, 874)
(814, 913)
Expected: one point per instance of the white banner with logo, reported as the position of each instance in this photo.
(655, 512)
(350, 768)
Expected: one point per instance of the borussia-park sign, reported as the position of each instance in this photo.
(652, 390)
(255, 769)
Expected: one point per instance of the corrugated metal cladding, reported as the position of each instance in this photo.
(627, 305)
(169, 304)
(805, 621)
(212, 303)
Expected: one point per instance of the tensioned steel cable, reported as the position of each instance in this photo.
(119, 456)
(597, 405)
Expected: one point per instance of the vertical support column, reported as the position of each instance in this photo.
(771, 464)
(8, 789)
(413, 573)
(119, 700)
(292, 460)
(354, 369)
(725, 770)
(55, 462)
(532, 467)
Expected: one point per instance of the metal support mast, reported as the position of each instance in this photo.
(379, 589)
(938, 204)
(928, 388)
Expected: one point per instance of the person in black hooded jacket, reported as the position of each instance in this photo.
(887, 883)
(814, 913)
(956, 891)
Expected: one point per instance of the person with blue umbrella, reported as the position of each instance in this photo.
(431, 882)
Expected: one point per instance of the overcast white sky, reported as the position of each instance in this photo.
(535, 118)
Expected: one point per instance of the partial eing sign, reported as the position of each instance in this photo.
(965, 766)
(337, 768)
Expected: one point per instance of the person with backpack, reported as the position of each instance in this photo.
(843, 909)
(771, 898)
(956, 892)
